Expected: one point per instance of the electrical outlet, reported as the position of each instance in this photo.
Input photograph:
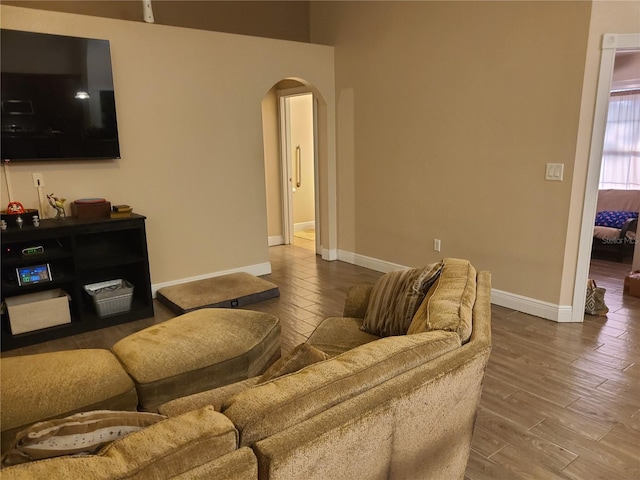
(38, 180)
(436, 244)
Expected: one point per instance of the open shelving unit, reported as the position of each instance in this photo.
(79, 252)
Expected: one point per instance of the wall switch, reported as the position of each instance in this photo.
(436, 244)
(38, 180)
(555, 172)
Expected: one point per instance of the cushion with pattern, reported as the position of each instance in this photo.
(82, 433)
(613, 219)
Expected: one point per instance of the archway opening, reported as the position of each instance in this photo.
(296, 166)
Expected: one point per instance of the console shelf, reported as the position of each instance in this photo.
(79, 252)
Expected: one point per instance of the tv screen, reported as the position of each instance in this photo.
(58, 101)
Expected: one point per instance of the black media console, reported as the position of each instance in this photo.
(78, 252)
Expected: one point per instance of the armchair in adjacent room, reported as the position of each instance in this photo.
(616, 223)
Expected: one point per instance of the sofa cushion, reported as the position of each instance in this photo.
(613, 219)
(607, 233)
(276, 405)
(84, 432)
(300, 357)
(56, 384)
(169, 448)
(357, 300)
(395, 297)
(449, 304)
(241, 464)
(336, 335)
(216, 397)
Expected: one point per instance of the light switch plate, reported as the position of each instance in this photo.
(555, 172)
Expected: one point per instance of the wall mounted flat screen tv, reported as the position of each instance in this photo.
(58, 100)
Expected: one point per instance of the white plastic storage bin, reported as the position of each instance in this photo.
(111, 297)
(35, 311)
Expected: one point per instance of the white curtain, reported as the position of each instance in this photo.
(621, 155)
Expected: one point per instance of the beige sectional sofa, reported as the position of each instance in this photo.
(399, 407)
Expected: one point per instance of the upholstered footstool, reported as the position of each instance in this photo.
(40, 387)
(198, 351)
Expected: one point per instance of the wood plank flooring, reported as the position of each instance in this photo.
(560, 401)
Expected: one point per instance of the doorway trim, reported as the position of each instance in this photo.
(286, 163)
(611, 42)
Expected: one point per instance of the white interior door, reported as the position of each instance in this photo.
(299, 165)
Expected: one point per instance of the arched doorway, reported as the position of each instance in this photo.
(297, 180)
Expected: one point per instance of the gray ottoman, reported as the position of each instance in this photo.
(198, 351)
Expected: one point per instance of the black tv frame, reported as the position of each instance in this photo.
(58, 98)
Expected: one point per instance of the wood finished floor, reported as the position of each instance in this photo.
(560, 401)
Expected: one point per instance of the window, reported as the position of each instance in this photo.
(621, 155)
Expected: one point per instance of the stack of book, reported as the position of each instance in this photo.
(121, 211)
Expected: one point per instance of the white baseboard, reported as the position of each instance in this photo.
(276, 240)
(538, 308)
(328, 255)
(257, 270)
(368, 262)
(298, 227)
(531, 306)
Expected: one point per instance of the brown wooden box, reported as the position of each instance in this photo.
(91, 210)
(632, 284)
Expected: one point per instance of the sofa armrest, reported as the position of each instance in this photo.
(355, 305)
(631, 225)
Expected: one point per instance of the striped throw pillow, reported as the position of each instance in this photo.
(82, 433)
(395, 297)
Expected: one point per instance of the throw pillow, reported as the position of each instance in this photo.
(300, 357)
(82, 433)
(613, 219)
(395, 297)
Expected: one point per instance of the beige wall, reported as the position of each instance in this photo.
(447, 115)
(273, 19)
(626, 71)
(189, 116)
